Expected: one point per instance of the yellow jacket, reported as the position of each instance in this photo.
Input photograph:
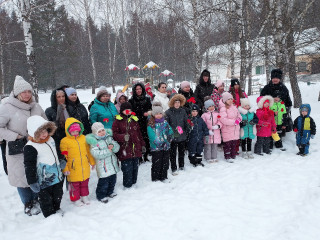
(77, 153)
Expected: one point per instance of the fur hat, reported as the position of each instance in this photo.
(195, 107)
(102, 90)
(226, 96)
(36, 124)
(244, 102)
(124, 106)
(262, 99)
(177, 97)
(96, 127)
(209, 103)
(69, 91)
(157, 108)
(184, 84)
(276, 73)
(219, 83)
(234, 81)
(20, 85)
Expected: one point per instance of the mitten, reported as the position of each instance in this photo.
(126, 137)
(63, 164)
(237, 122)
(216, 127)
(211, 133)
(206, 139)
(295, 130)
(144, 150)
(66, 173)
(244, 122)
(35, 187)
(312, 136)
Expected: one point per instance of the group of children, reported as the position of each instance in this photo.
(167, 131)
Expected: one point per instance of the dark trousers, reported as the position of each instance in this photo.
(50, 199)
(130, 168)
(160, 165)
(106, 186)
(195, 147)
(246, 144)
(281, 132)
(173, 154)
(230, 149)
(263, 143)
(3, 152)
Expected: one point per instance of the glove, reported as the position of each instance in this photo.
(216, 127)
(144, 150)
(67, 173)
(63, 164)
(237, 122)
(211, 133)
(35, 187)
(206, 139)
(295, 130)
(244, 122)
(312, 136)
(251, 122)
(126, 137)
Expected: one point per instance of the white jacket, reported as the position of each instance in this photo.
(163, 99)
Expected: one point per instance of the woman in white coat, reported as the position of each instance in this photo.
(161, 96)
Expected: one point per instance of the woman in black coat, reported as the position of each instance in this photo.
(203, 89)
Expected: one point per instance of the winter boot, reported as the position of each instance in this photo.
(198, 159)
(112, 195)
(78, 203)
(244, 155)
(85, 200)
(193, 160)
(104, 200)
(250, 155)
(27, 208)
(35, 207)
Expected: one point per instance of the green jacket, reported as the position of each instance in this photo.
(106, 161)
(281, 109)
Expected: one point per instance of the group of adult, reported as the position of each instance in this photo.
(20, 105)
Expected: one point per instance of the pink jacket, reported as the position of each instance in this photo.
(266, 124)
(229, 130)
(211, 119)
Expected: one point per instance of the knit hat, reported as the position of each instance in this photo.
(96, 127)
(235, 81)
(195, 107)
(219, 83)
(244, 102)
(226, 96)
(184, 84)
(74, 127)
(276, 73)
(102, 90)
(124, 106)
(70, 91)
(209, 103)
(148, 88)
(20, 85)
(157, 108)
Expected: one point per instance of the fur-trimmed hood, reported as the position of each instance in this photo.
(262, 99)
(35, 125)
(177, 97)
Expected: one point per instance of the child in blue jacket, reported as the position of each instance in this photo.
(305, 128)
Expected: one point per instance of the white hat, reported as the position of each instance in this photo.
(96, 127)
(20, 85)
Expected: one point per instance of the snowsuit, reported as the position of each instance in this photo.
(131, 150)
(248, 129)
(160, 136)
(106, 162)
(305, 127)
(79, 159)
(197, 134)
(42, 166)
(280, 120)
(211, 148)
(103, 112)
(203, 89)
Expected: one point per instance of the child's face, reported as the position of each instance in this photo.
(229, 102)
(246, 107)
(126, 112)
(176, 104)
(277, 99)
(44, 134)
(221, 88)
(158, 116)
(304, 113)
(211, 108)
(74, 133)
(122, 99)
(186, 89)
(266, 104)
(101, 133)
(194, 113)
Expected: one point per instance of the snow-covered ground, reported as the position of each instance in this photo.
(266, 198)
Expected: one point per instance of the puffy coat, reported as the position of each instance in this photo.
(248, 130)
(163, 99)
(13, 122)
(117, 102)
(277, 90)
(203, 89)
(229, 130)
(282, 113)
(178, 117)
(79, 111)
(106, 161)
(160, 136)
(198, 131)
(305, 126)
(211, 119)
(189, 97)
(77, 154)
(128, 125)
(103, 112)
(266, 125)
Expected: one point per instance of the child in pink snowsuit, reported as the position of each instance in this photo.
(230, 118)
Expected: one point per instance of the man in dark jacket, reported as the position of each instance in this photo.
(203, 89)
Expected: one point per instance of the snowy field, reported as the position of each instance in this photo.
(273, 197)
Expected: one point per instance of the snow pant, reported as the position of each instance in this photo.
(160, 165)
(173, 153)
(303, 148)
(195, 147)
(50, 199)
(143, 129)
(27, 195)
(3, 153)
(246, 144)
(210, 151)
(130, 168)
(263, 143)
(281, 132)
(105, 186)
(230, 149)
(303, 141)
(78, 189)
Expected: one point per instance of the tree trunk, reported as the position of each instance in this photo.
(266, 58)
(1, 66)
(196, 39)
